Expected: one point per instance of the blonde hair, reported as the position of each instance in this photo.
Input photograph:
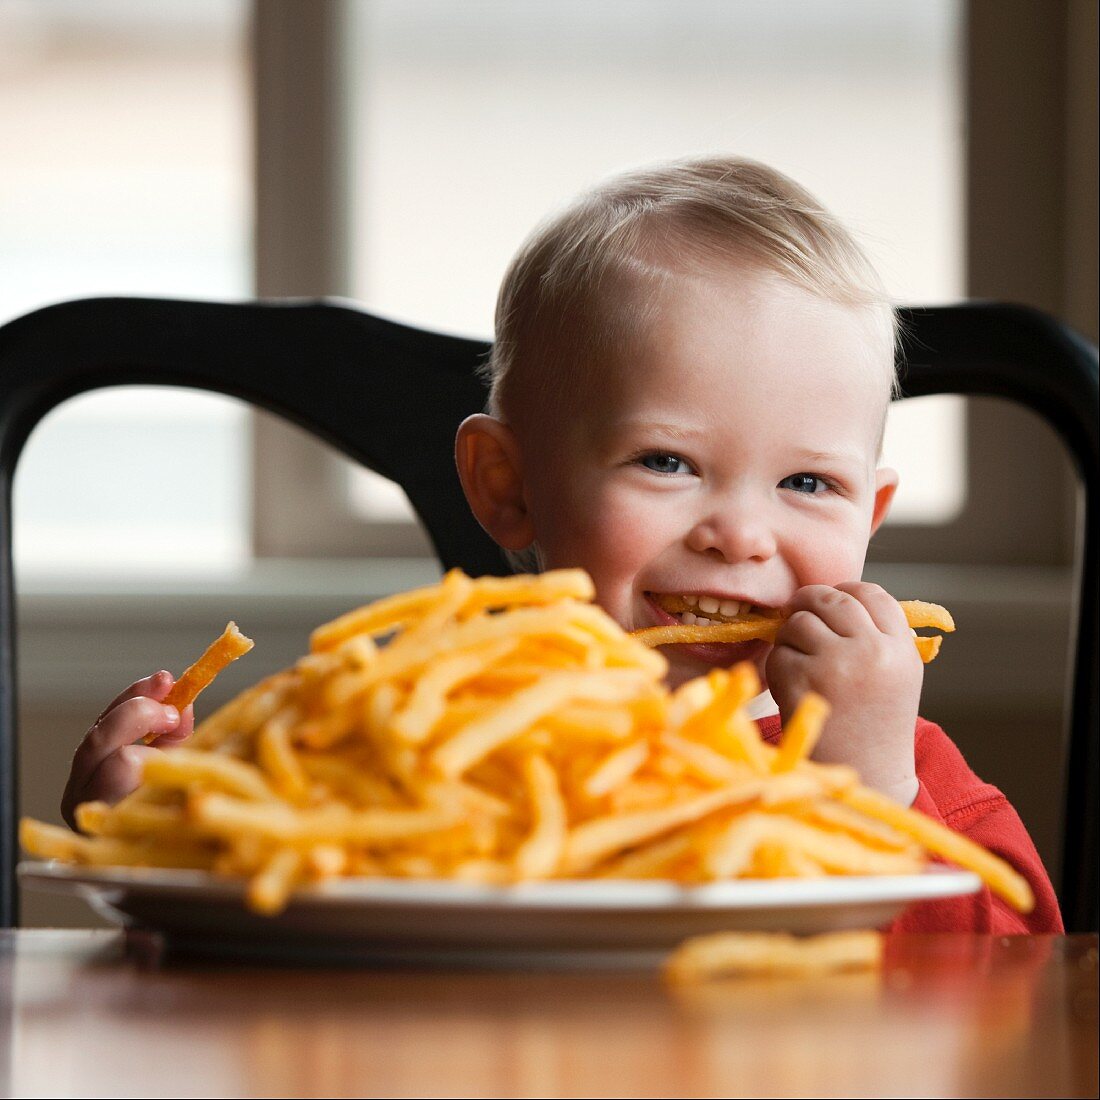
(586, 279)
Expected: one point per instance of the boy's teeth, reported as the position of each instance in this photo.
(689, 619)
(705, 609)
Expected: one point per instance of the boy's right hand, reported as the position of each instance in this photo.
(108, 761)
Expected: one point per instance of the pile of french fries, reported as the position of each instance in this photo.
(497, 731)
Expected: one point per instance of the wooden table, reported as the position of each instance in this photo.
(84, 1015)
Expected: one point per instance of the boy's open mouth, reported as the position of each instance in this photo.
(696, 610)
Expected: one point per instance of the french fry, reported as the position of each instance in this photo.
(653, 860)
(380, 617)
(773, 955)
(267, 892)
(275, 754)
(615, 768)
(827, 811)
(597, 839)
(703, 760)
(540, 853)
(918, 614)
(99, 819)
(225, 649)
(182, 768)
(801, 732)
(773, 860)
(481, 736)
(428, 701)
(838, 854)
(218, 813)
(752, 628)
(937, 838)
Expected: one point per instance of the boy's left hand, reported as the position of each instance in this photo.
(852, 645)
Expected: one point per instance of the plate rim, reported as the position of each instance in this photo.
(592, 895)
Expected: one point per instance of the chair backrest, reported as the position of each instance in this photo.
(391, 397)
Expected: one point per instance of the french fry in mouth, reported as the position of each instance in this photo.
(762, 628)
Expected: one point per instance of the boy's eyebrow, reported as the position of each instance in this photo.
(658, 426)
(812, 458)
(824, 456)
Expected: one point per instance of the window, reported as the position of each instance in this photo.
(125, 134)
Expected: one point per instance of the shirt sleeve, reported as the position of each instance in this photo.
(952, 794)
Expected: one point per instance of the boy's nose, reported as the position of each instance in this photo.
(733, 538)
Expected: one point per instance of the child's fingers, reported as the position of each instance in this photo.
(118, 774)
(885, 611)
(840, 611)
(155, 686)
(804, 632)
(106, 766)
(124, 724)
(180, 734)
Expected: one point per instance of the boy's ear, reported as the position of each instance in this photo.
(886, 485)
(489, 467)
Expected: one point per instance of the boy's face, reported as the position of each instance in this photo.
(730, 457)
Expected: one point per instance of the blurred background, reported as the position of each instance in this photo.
(396, 152)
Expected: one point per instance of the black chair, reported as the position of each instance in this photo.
(392, 396)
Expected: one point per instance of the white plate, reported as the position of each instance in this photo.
(593, 922)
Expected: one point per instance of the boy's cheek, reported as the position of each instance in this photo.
(602, 533)
(612, 542)
(827, 560)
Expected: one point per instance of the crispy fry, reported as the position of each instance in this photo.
(837, 853)
(835, 814)
(376, 618)
(746, 630)
(597, 839)
(937, 838)
(760, 628)
(181, 768)
(918, 614)
(481, 736)
(428, 701)
(225, 649)
(276, 755)
(773, 954)
(540, 853)
(801, 732)
(268, 891)
(703, 760)
(218, 813)
(616, 768)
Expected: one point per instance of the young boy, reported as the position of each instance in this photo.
(689, 388)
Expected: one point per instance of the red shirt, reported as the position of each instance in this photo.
(951, 793)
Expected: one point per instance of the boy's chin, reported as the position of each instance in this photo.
(686, 662)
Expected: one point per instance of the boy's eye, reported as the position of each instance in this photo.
(804, 483)
(661, 463)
